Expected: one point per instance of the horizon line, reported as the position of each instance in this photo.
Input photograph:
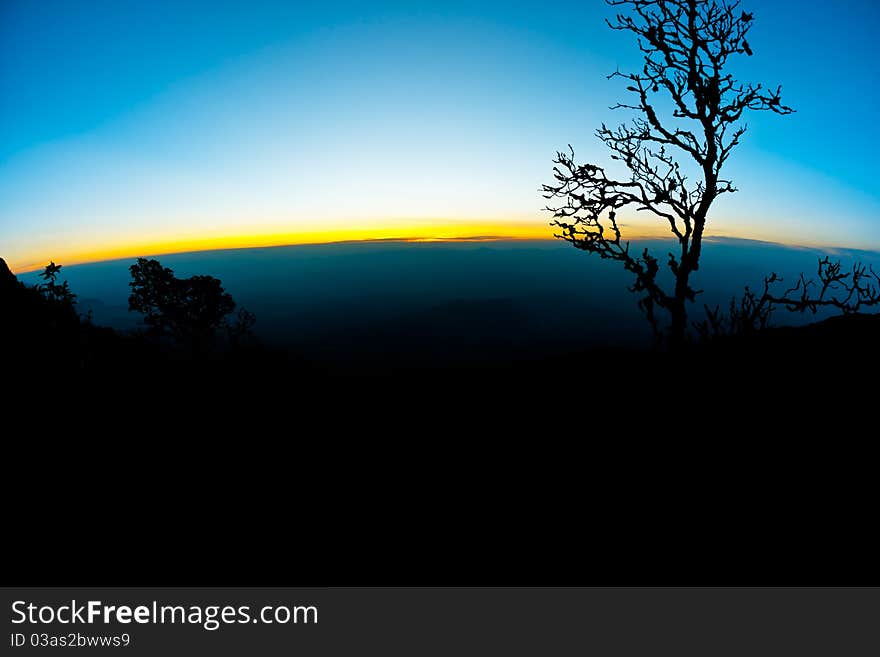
(409, 239)
(31, 267)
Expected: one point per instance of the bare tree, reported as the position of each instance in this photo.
(686, 47)
(848, 291)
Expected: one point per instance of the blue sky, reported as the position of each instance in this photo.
(144, 123)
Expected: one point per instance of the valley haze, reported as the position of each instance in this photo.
(444, 299)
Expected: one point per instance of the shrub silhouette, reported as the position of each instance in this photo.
(51, 290)
(849, 291)
(40, 325)
(686, 47)
(188, 310)
(40, 328)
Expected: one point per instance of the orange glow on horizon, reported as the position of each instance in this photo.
(71, 255)
(429, 231)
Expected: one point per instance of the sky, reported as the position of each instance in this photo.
(144, 127)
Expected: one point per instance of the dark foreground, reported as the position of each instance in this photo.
(745, 461)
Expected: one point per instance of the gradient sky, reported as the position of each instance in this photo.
(153, 126)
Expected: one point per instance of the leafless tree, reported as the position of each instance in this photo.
(848, 291)
(687, 46)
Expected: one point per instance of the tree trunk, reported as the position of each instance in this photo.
(677, 327)
(678, 311)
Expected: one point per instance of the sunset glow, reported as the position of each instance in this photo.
(144, 128)
(416, 232)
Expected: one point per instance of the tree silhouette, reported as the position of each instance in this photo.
(850, 292)
(51, 289)
(189, 310)
(686, 47)
(847, 291)
(40, 327)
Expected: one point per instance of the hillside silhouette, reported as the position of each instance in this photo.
(42, 332)
(431, 372)
(460, 344)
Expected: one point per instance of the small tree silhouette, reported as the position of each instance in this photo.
(51, 289)
(686, 47)
(850, 292)
(189, 310)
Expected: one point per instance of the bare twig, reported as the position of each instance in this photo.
(849, 291)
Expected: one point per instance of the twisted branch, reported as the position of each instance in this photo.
(849, 291)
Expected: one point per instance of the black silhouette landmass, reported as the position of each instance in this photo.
(461, 344)
(42, 336)
(240, 450)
